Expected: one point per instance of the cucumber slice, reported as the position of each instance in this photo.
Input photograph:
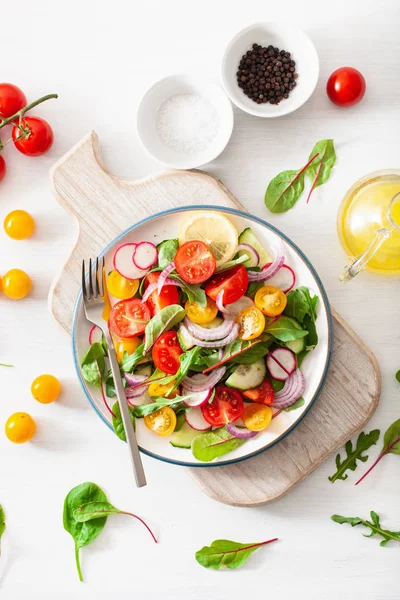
(248, 237)
(246, 377)
(185, 339)
(184, 437)
(296, 346)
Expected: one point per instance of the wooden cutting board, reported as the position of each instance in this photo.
(103, 205)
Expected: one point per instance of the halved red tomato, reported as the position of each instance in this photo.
(166, 352)
(234, 282)
(226, 406)
(263, 394)
(129, 318)
(156, 301)
(195, 262)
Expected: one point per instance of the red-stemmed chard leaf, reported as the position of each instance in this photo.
(391, 445)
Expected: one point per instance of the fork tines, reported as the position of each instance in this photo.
(96, 286)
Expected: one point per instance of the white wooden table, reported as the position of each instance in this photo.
(100, 57)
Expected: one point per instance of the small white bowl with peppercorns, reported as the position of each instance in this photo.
(270, 69)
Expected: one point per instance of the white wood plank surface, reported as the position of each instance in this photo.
(100, 57)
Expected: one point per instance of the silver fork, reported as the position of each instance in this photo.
(93, 304)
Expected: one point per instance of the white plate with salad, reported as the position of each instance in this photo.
(222, 330)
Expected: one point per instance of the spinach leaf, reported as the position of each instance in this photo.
(391, 445)
(194, 292)
(253, 288)
(397, 376)
(2, 522)
(82, 533)
(129, 361)
(320, 169)
(225, 553)
(296, 405)
(166, 252)
(117, 422)
(93, 364)
(301, 356)
(286, 329)
(364, 442)
(312, 336)
(168, 317)
(300, 303)
(232, 263)
(374, 525)
(210, 445)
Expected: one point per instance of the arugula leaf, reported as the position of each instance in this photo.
(163, 321)
(129, 361)
(166, 252)
(2, 522)
(5, 365)
(374, 525)
(93, 364)
(225, 553)
(194, 292)
(82, 533)
(210, 445)
(207, 358)
(232, 263)
(117, 422)
(286, 329)
(142, 410)
(320, 169)
(297, 404)
(391, 445)
(364, 442)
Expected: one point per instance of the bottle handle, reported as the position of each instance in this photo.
(354, 266)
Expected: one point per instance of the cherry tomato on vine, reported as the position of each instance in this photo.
(33, 136)
(166, 353)
(12, 99)
(346, 86)
(19, 225)
(20, 428)
(226, 406)
(3, 168)
(16, 284)
(46, 389)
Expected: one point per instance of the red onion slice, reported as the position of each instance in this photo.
(254, 257)
(239, 305)
(216, 333)
(200, 382)
(220, 304)
(218, 343)
(163, 276)
(293, 389)
(134, 380)
(242, 433)
(272, 269)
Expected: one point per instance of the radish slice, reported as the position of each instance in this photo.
(195, 420)
(95, 335)
(242, 433)
(284, 279)
(197, 399)
(254, 257)
(281, 363)
(123, 262)
(144, 398)
(145, 255)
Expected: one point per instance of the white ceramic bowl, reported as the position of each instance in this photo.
(292, 40)
(161, 92)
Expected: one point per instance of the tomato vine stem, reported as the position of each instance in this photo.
(24, 110)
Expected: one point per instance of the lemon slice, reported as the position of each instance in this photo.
(213, 229)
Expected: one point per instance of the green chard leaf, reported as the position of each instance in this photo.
(2, 523)
(163, 321)
(166, 252)
(320, 168)
(374, 526)
(210, 445)
(93, 364)
(286, 329)
(364, 442)
(243, 352)
(82, 533)
(391, 445)
(118, 424)
(129, 361)
(225, 553)
(194, 292)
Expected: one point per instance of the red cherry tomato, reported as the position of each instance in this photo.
(156, 301)
(195, 262)
(263, 394)
(166, 353)
(34, 138)
(226, 406)
(346, 86)
(2, 168)
(234, 282)
(128, 318)
(12, 99)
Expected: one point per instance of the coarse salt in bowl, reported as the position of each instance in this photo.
(185, 122)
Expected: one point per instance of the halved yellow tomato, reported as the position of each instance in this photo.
(162, 422)
(201, 314)
(257, 416)
(120, 287)
(159, 390)
(251, 323)
(123, 345)
(270, 300)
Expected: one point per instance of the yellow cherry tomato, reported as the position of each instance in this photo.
(270, 300)
(251, 323)
(19, 225)
(16, 284)
(120, 287)
(162, 422)
(46, 388)
(107, 304)
(159, 390)
(123, 345)
(20, 428)
(201, 314)
(257, 416)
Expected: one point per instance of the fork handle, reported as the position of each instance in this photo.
(138, 470)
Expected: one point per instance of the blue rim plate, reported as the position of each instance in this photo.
(322, 353)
